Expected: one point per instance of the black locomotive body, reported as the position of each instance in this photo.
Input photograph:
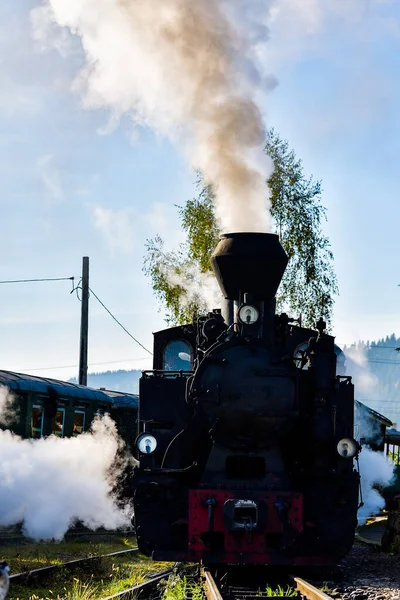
(246, 446)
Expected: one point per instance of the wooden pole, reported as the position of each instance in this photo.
(83, 353)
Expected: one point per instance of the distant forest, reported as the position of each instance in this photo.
(374, 366)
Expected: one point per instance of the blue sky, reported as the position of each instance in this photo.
(70, 188)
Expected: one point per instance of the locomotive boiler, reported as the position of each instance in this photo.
(246, 431)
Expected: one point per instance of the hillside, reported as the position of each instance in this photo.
(375, 368)
(120, 381)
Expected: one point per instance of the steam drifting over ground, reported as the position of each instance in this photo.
(50, 483)
(186, 70)
(375, 469)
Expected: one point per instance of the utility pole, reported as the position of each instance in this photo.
(83, 352)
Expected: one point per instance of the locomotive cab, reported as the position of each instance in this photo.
(246, 450)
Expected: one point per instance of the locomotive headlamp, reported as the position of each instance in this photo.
(248, 315)
(347, 448)
(146, 444)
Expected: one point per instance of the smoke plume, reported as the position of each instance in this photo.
(189, 71)
(376, 470)
(49, 484)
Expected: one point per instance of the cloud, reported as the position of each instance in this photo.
(340, 30)
(28, 78)
(117, 227)
(158, 218)
(341, 57)
(50, 178)
(123, 228)
(302, 20)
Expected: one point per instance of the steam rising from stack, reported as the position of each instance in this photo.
(184, 69)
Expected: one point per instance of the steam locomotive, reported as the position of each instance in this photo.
(246, 431)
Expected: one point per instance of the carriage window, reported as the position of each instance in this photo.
(177, 356)
(37, 421)
(58, 423)
(79, 422)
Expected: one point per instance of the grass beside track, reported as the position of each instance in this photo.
(182, 584)
(28, 556)
(106, 578)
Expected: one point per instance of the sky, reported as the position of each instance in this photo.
(77, 182)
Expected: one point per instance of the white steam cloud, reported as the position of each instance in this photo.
(376, 469)
(365, 427)
(199, 288)
(8, 410)
(357, 366)
(50, 483)
(189, 71)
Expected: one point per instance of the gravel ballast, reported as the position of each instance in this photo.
(367, 573)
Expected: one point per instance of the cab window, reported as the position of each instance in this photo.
(177, 356)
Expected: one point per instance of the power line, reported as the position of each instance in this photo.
(108, 362)
(38, 280)
(120, 324)
(73, 289)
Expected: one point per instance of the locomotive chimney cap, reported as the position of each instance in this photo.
(249, 262)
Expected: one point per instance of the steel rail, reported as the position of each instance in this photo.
(210, 587)
(308, 590)
(133, 592)
(38, 574)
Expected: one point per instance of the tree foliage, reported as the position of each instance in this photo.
(309, 283)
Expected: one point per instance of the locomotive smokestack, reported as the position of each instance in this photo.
(249, 262)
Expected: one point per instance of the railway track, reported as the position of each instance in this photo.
(147, 589)
(37, 575)
(226, 588)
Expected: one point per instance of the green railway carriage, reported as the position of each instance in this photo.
(392, 449)
(45, 406)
